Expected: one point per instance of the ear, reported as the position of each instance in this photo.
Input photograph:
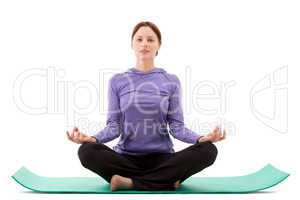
(157, 50)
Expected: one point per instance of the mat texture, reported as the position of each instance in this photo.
(264, 178)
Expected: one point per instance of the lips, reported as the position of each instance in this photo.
(144, 51)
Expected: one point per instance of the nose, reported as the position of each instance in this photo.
(145, 43)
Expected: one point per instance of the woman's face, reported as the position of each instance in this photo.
(145, 43)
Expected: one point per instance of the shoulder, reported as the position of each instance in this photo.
(171, 77)
(173, 80)
(115, 77)
(118, 80)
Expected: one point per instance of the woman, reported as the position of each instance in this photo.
(144, 158)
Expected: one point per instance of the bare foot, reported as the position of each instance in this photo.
(177, 184)
(118, 182)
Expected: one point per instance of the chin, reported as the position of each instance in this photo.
(146, 57)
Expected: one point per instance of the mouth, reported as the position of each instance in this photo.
(144, 51)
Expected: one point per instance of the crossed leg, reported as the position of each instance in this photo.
(120, 172)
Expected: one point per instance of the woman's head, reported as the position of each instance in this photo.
(145, 40)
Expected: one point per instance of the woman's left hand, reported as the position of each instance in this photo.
(215, 136)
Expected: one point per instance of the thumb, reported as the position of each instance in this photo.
(217, 128)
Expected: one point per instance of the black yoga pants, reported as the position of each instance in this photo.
(155, 171)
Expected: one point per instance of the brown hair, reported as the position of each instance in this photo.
(150, 25)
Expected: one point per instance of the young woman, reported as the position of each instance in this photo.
(143, 101)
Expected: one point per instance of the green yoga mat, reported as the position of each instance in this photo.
(264, 178)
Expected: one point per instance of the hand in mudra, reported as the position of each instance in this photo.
(78, 137)
(214, 136)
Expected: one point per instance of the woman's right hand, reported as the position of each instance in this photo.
(214, 136)
(78, 137)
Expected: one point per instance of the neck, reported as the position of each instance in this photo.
(145, 65)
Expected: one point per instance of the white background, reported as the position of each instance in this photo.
(251, 44)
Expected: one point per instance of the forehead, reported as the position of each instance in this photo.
(145, 31)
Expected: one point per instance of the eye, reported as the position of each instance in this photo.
(139, 39)
(150, 40)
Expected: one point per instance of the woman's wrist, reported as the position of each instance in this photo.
(93, 139)
(200, 138)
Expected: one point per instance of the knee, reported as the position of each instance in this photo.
(85, 153)
(211, 152)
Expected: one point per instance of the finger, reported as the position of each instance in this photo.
(76, 141)
(72, 134)
(217, 138)
(224, 134)
(220, 137)
(79, 139)
(68, 135)
(216, 129)
(214, 136)
(75, 129)
(79, 136)
(76, 135)
(219, 131)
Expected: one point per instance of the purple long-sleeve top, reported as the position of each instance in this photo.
(144, 109)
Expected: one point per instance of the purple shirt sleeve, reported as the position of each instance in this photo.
(112, 129)
(175, 117)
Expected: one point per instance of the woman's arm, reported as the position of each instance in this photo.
(113, 127)
(175, 117)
